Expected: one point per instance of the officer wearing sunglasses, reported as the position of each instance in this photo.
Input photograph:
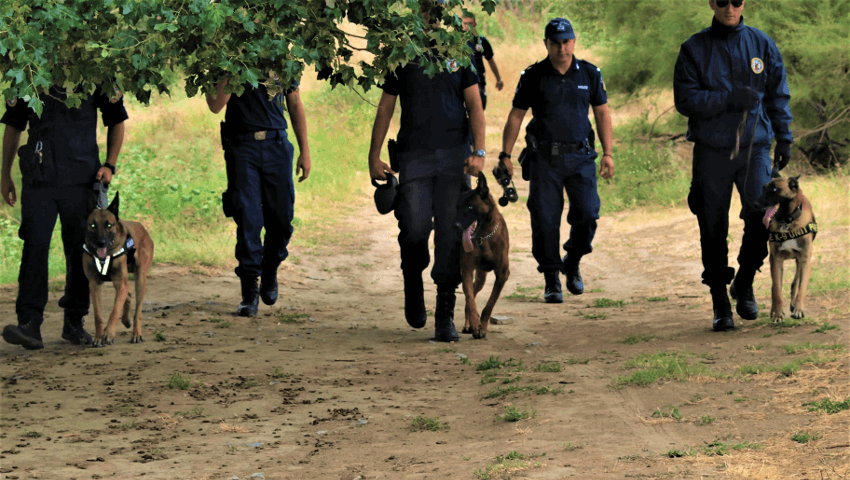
(727, 75)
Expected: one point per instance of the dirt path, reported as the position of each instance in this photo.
(328, 383)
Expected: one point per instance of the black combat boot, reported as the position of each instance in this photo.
(268, 285)
(552, 293)
(250, 297)
(414, 300)
(722, 310)
(574, 282)
(444, 316)
(73, 330)
(741, 290)
(27, 333)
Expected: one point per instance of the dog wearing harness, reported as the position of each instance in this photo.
(485, 248)
(114, 248)
(792, 229)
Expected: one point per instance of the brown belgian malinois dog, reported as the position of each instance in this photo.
(115, 248)
(485, 248)
(792, 229)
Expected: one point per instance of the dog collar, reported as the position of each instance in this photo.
(104, 266)
(794, 215)
(783, 236)
(480, 240)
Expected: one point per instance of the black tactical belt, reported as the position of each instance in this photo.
(560, 148)
(256, 136)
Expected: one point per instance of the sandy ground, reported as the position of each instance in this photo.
(328, 382)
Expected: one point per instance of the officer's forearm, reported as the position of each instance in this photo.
(114, 142)
(217, 101)
(11, 140)
(511, 131)
(299, 121)
(386, 107)
(476, 116)
(495, 69)
(604, 127)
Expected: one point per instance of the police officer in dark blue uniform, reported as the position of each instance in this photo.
(482, 50)
(434, 153)
(59, 164)
(261, 190)
(560, 90)
(724, 74)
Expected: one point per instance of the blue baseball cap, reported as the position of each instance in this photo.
(559, 29)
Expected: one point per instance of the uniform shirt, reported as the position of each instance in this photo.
(254, 112)
(67, 135)
(433, 113)
(481, 50)
(560, 103)
(714, 61)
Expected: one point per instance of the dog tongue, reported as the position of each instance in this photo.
(467, 239)
(101, 252)
(769, 215)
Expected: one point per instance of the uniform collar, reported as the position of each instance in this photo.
(722, 31)
(573, 66)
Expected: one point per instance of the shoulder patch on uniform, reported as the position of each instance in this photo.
(757, 65)
(452, 65)
(12, 101)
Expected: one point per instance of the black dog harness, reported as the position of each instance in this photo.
(783, 236)
(104, 266)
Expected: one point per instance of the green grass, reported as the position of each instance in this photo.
(787, 368)
(513, 414)
(828, 406)
(525, 293)
(805, 437)
(159, 336)
(809, 346)
(508, 466)
(705, 420)
(607, 303)
(826, 327)
(633, 339)
(179, 381)
(421, 423)
(715, 448)
(656, 367)
(293, 317)
(656, 299)
(494, 363)
(669, 411)
(548, 367)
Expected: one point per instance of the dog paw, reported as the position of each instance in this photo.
(466, 331)
(136, 339)
(798, 314)
(777, 317)
(126, 322)
(106, 340)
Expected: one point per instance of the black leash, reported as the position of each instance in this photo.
(101, 190)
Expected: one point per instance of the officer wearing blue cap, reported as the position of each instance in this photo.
(560, 90)
(482, 50)
(727, 73)
(261, 190)
(59, 163)
(437, 115)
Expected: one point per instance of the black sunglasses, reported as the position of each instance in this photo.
(723, 3)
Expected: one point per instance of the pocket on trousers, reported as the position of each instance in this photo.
(695, 199)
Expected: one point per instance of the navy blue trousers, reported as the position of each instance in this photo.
(263, 197)
(39, 209)
(575, 173)
(429, 185)
(714, 176)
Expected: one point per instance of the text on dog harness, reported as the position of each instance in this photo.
(783, 236)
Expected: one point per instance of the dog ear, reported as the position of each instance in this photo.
(91, 203)
(793, 183)
(483, 190)
(113, 207)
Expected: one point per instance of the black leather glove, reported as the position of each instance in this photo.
(781, 155)
(742, 99)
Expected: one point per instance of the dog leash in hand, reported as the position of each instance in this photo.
(101, 191)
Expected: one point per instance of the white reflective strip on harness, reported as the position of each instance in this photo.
(102, 266)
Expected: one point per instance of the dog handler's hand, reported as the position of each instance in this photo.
(7, 189)
(606, 166)
(378, 169)
(474, 165)
(303, 167)
(509, 166)
(104, 175)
